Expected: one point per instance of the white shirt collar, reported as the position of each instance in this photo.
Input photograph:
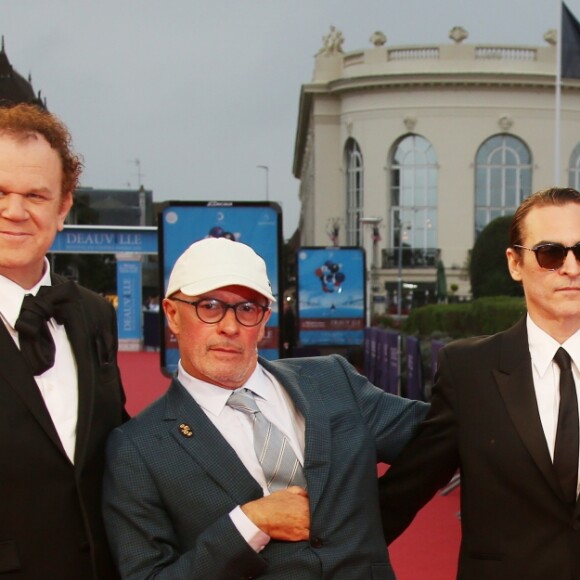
(13, 295)
(543, 347)
(213, 398)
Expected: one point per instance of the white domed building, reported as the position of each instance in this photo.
(409, 151)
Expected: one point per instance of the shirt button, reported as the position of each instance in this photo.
(316, 542)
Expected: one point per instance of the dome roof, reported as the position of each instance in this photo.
(14, 88)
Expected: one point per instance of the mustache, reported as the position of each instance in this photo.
(231, 346)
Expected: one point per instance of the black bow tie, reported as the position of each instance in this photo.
(36, 342)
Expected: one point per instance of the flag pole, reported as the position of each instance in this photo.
(558, 96)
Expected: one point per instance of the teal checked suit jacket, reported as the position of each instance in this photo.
(167, 494)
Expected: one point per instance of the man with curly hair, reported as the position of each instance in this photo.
(60, 388)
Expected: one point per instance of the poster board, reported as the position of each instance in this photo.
(331, 296)
(259, 225)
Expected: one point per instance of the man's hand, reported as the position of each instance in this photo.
(283, 515)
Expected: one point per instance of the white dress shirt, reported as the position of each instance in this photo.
(237, 429)
(546, 375)
(58, 385)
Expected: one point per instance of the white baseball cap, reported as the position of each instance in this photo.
(213, 263)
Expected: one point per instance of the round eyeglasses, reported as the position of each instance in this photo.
(212, 311)
(551, 255)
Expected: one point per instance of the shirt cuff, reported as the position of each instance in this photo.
(256, 538)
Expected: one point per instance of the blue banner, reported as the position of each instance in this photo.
(129, 295)
(383, 361)
(105, 240)
(370, 353)
(414, 370)
(393, 369)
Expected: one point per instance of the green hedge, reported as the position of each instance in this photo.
(488, 271)
(482, 316)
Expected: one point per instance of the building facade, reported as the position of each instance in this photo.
(411, 151)
(112, 207)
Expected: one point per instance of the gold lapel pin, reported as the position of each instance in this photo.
(186, 430)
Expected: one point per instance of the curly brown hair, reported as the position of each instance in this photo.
(23, 120)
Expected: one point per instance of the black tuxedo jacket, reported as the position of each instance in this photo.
(484, 419)
(50, 518)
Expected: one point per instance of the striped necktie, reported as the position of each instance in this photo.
(275, 454)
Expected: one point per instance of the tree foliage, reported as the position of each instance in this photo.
(488, 269)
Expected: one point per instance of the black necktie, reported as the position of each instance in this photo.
(36, 342)
(566, 447)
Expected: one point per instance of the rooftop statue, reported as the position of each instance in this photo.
(331, 43)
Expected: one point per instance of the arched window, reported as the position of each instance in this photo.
(414, 195)
(574, 169)
(503, 178)
(353, 162)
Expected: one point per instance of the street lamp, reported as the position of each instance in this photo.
(402, 227)
(373, 222)
(267, 170)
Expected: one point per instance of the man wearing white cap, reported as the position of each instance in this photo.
(248, 468)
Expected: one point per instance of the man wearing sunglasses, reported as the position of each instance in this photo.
(248, 468)
(505, 411)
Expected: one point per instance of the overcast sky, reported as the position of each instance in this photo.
(200, 93)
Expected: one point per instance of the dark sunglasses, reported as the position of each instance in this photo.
(551, 255)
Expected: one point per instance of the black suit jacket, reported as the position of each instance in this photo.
(50, 518)
(484, 419)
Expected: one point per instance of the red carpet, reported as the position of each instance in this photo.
(426, 551)
(142, 379)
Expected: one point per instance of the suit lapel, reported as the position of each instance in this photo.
(318, 440)
(206, 443)
(191, 428)
(79, 336)
(516, 386)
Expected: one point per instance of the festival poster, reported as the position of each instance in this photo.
(258, 225)
(331, 296)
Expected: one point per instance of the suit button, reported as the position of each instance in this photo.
(576, 525)
(84, 546)
(316, 542)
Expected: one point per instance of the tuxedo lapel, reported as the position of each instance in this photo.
(516, 386)
(318, 440)
(16, 374)
(192, 430)
(79, 336)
